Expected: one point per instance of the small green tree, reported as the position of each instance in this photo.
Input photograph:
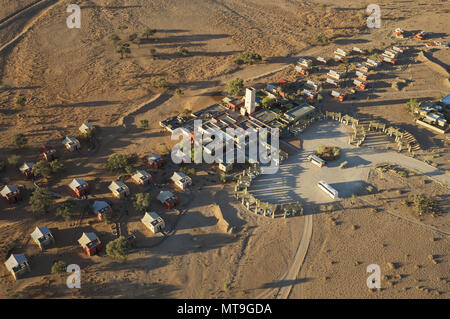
(114, 38)
(21, 100)
(59, 267)
(147, 33)
(14, 160)
(160, 83)
(141, 202)
(223, 177)
(183, 51)
(57, 166)
(268, 102)
(412, 105)
(42, 169)
(122, 50)
(117, 163)
(40, 201)
(2, 166)
(19, 140)
(235, 87)
(117, 248)
(66, 210)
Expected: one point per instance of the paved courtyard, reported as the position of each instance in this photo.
(297, 178)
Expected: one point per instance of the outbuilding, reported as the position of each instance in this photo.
(168, 199)
(101, 208)
(86, 128)
(79, 187)
(181, 180)
(43, 237)
(71, 144)
(26, 169)
(17, 265)
(90, 243)
(153, 222)
(141, 177)
(155, 160)
(119, 189)
(11, 193)
(48, 153)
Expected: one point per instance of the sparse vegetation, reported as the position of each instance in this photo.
(42, 169)
(21, 100)
(423, 204)
(19, 140)
(114, 38)
(182, 50)
(14, 160)
(143, 123)
(320, 39)
(147, 33)
(123, 50)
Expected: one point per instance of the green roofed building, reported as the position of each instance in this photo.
(300, 112)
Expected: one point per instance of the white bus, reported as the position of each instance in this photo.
(316, 160)
(328, 189)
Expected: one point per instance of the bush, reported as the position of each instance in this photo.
(143, 123)
(160, 83)
(412, 105)
(14, 160)
(66, 210)
(141, 202)
(40, 201)
(2, 166)
(117, 248)
(59, 267)
(423, 204)
(117, 163)
(57, 166)
(182, 50)
(19, 140)
(114, 38)
(132, 36)
(235, 87)
(21, 100)
(148, 32)
(320, 39)
(268, 102)
(42, 169)
(248, 57)
(328, 153)
(179, 91)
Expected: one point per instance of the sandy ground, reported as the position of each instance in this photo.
(73, 76)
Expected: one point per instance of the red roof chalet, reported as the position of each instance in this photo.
(48, 153)
(90, 243)
(156, 160)
(11, 193)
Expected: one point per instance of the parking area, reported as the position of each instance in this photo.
(297, 178)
